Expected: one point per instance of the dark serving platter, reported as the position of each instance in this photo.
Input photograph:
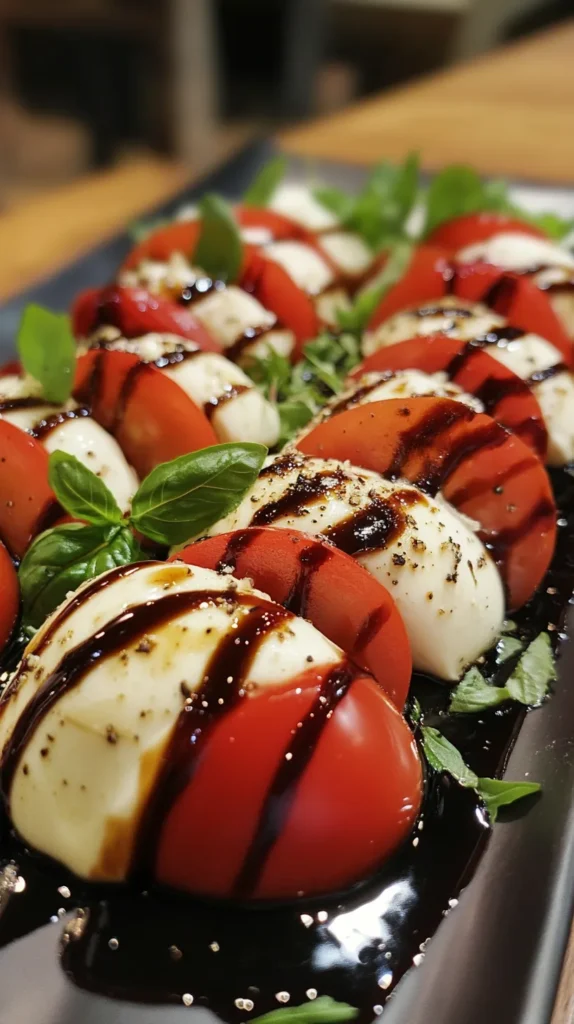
(497, 954)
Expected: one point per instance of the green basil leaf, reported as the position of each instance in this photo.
(182, 498)
(507, 647)
(47, 351)
(59, 560)
(323, 1010)
(554, 226)
(263, 186)
(444, 757)
(80, 491)
(453, 192)
(496, 793)
(473, 693)
(293, 416)
(414, 712)
(334, 199)
(141, 229)
(534, 673)
(219, 250)
(357, 317)
(508, 626)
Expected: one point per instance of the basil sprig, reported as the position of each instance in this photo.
(443, 756)
(380, 211)
(356, 318)
(47, 351)
(219, 249)
(528, 682)
(175, 502)
(458, 190)
(263, 186)
(323, 1010)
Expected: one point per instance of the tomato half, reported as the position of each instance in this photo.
(515, 297)
(470, 228)
(27, 504)
(505, 397)
(276, 291)
(484, 471)
(9, 597)
(252, 823)
(316, 580)
(13, 367)
(152, 418)
(135, 311)
(423, 280)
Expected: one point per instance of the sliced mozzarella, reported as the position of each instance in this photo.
(512, 250)
(58, 428)
(558, 283)
(347, 251)
(237, 409)
(86, 772)
(446, 586)
(305, 266)
(298, 202)
(330, 303)
(156, 276)
(447, 315)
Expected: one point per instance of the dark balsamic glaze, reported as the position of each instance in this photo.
(438, 419)
(360, 393)
(307, 490)
(250, 335)
(376, 526)
(197, 290)
(310, 559)
(45, 427)
(13, 404)
(500, 295)
(551, 371)
(213, 404)
(127, 389)
(371, 931)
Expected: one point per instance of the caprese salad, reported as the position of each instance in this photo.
(290, 455)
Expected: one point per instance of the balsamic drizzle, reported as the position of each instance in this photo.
(217, 401)
(45, 427)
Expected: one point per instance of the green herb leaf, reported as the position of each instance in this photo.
(338, 202)
(141, 229)
(59, 560)
(357, 317)
(507, 647)
(508, 626)
(219, 250)
(473, 694)
(414, 712)
(534, 672)
(263, 186)
(323, 1010)
(80, 491)
(497, 793)
(444, 757)
(453, 192)
(182, 498)
(47, 351)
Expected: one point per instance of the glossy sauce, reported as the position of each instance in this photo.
(45, 427)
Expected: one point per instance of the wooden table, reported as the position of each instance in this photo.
(508, 113)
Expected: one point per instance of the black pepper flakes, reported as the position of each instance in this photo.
(111, 734)
(399, 559)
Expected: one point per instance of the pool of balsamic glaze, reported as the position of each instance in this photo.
(354, 947)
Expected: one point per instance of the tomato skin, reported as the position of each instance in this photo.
(135, 311)
(9, 597)
(485, 472)
(276, 291)
(28, 502)
(13, 367)
(355, 802)
(424, 279)
(151, 417)
(506, 397)
(321, 583)
(470, 228)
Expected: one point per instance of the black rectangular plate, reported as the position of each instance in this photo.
(496, 959)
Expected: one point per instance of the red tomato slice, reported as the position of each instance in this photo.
(10, 368)
(275, 290)
(9, 597)
(424, 280)
(135, 311)
(180, 236)
(515, 297)
(485, 472)
(321, 583)
(28, 505)
(150, 415)
(469, 228)
(277, 224)
(332, 818)
(505, 397)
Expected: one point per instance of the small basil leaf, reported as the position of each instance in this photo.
(59, 560)
(507, 647)
(80, 491)
(323, 1010)
(473, 693)
(47, 351)
(293, 416)
(335, 200)
(182, 498)
(444, 757)
(534, 672)
(219, 250)
(357, 317)
(453, 192)
(414, 712)
(508, 626)
(263, 186)
(496, 793)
